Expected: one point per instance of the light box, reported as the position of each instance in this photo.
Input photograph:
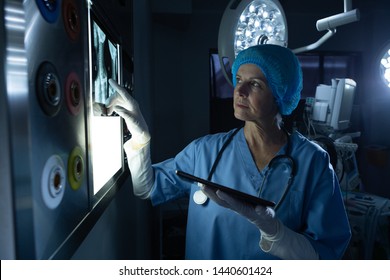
(106, 132)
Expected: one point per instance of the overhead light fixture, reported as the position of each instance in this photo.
(384, 67)
(330, 23)
(246, 23)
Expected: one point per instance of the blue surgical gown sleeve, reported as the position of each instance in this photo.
(326, 225)
(168, 186)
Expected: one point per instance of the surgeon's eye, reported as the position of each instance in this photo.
(255, 84)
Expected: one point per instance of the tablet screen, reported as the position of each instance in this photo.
(241, 195)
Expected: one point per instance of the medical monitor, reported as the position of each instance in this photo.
(106, 131)
(343, 103)
(334, 103)
(323, 104)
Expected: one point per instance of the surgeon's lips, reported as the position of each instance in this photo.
(239, 104)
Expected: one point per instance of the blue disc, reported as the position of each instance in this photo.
(50, 9)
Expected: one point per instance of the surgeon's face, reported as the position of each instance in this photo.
(253, 99)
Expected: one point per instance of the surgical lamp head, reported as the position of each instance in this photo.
(282, 70)
(247, 23)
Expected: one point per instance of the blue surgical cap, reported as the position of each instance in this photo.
(282, 70)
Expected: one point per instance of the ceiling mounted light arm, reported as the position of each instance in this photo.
(247, 23)
(330, 24)
(315, 45)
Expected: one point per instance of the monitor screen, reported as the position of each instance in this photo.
(343, 103)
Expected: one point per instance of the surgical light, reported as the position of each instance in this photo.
(247, 23)
(260, 21)
(385, 65)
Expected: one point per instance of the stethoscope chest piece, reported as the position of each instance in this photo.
(199, 197)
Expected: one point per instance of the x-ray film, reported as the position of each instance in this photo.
(105, 66)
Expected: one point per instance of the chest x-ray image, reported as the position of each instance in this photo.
(104, 67)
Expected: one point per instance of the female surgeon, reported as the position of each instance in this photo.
(309, 220)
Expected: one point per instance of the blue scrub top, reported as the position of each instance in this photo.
(312, 205)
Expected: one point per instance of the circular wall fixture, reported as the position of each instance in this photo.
(384, 67)
(71, 19)
(73, 93)
(49, 9)
(76, 168)
(48, 89)
(53, 181)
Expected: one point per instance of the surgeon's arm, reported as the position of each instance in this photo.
(287, 244)
(138, 147)
(140, 166)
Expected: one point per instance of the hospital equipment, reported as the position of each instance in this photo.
(333, 104)
(369, 216)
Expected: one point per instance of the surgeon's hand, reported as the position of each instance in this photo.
(276, 238)
(263, 217)
(127, 107)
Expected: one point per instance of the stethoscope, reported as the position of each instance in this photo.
(200, 198)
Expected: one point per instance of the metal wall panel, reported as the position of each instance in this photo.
(7, 241)
(46, 73)
(48, 203)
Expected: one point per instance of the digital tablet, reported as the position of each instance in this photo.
(241, 195)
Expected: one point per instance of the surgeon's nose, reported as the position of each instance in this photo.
(241, 90)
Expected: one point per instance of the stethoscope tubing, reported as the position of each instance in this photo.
(271, 163)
